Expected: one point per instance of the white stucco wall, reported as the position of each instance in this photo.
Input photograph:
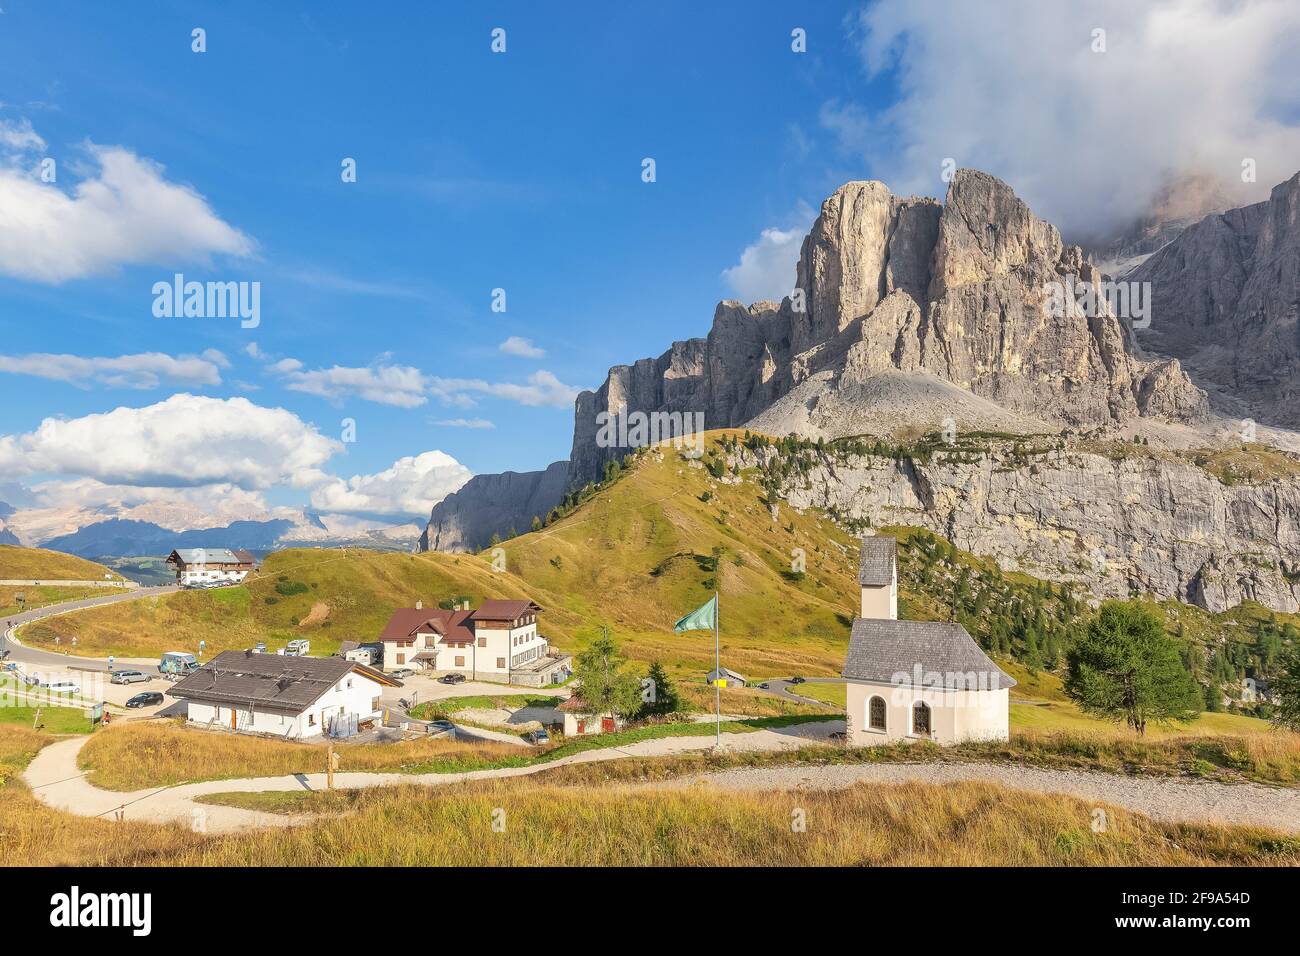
(209, 574)
(955, 716)
(880, 603)
(359, 698)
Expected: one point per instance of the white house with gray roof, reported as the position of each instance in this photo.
(916, 680)
(210, 565)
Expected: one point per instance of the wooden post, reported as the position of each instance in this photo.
(329, 767)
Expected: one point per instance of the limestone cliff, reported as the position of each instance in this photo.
(1225, 297)
(493, 504)
(1119, 523)
(953, 296)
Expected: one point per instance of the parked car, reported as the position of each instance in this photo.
(538, 736)
(763, 686)
(402, 672)
(797, 680)
(297, 648)
(127, 677)
(437, 728)
(452, 679)
(260, 647)
(62, 687)
(147, 699)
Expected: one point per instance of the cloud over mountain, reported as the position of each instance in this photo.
(1088, 139)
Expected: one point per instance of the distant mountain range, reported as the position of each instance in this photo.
(130, 537)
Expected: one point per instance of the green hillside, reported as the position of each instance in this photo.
(37, 564)
(640, 549)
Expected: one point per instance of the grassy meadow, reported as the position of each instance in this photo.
(550, 823)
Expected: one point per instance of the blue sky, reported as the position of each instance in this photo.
(475, 171)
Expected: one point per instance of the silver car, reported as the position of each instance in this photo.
(127, 677)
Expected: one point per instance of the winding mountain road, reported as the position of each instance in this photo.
(22, 654)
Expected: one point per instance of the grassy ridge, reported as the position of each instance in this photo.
(37, 564)
(634, 557)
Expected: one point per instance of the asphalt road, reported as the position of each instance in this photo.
(39, 658)
(781, 687)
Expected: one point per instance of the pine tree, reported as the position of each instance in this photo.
(1125, 667)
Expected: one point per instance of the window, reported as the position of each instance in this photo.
(374, 703)
(349, 683)
(501, 663)
(482, 642)
(876, 713)
(311, 720)
(920, 719)
(401, 658)
(460, 661)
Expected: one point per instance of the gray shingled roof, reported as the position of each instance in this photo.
(876, 568)
(210, 556)
(270, 680)
(947, 655)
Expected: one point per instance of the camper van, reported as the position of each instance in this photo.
(298, 648)
(176, 664)
(361, 655)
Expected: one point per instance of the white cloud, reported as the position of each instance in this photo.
(398, 385)
(1089, 140)
(766, 270)
(19, 137)
(141, 370)
(407, 387)
(517, 345)
(542, 389)
(184, 441)
(253, 352)
(410, 488)
(124, 213)
(466, 423)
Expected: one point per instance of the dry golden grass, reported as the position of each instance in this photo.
(132, 756)
(31, 834)
(744, 701)
(37, 564)
(899, 824)
(968, 824)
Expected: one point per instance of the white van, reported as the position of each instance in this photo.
(297, 648)
(63, 687)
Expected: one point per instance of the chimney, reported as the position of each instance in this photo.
(419, 605)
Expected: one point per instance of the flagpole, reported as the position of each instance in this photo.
(717, 667)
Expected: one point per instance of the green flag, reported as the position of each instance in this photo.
(703, 618)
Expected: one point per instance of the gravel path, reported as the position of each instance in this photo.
(1172, 800)
(56, 781)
